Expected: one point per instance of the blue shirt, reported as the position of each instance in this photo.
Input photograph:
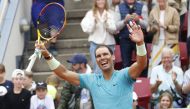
(115, 93)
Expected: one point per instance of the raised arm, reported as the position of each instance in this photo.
(59, 69)
(137, 37)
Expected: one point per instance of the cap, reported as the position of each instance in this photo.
(42, 85)
(78, 59)
(17, 72)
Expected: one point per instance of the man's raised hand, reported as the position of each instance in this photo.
(136, 34)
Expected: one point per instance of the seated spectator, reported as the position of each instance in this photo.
(165, 100)
(29, 84)
(70, 92)
(167, 76)
(5, 85)
(18, 97)
(41, 100)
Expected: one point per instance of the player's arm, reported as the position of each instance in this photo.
(138, 37)
(59, 69)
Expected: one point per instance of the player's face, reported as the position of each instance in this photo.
(41, 93)
(165, 102)
(101, 3)
(104, 59)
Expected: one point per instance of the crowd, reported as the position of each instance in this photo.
(129, 23)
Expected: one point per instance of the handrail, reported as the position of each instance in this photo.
(7, 26)
(3, 8)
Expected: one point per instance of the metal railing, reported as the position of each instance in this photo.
(8, 11)
(3, 10)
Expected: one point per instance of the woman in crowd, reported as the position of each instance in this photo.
(100, 25)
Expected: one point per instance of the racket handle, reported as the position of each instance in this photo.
(31, 63)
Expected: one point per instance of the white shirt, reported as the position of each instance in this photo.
(100, 31)
(36, 103)
(162, 15)
(166, 78)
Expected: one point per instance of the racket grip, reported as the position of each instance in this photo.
(31, 63)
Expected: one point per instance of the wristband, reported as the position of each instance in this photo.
(141, 50)
(53, 63)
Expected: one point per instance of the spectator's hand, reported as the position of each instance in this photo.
(136, 34)
(96, 18)
(174, 76)
(135, 17)
(162, 26)
(128, 17)
(158, 81)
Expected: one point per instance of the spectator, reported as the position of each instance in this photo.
(41, 100)
(130, 10)
(111, 89)
(37, 6)
(165, 100)
(99, 23)
(5, 85)
(18, 97)
(52, 88)
(81, 96)
(29, 84)
(166, 30)
(167, 77)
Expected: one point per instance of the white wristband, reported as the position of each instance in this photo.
(53, 63)
(141, 50)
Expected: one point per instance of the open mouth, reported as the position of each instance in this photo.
(104, 63)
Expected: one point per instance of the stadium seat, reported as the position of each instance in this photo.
(142, 89)
(118, 60)
(183, 55)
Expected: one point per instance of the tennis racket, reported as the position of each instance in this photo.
(50, 23)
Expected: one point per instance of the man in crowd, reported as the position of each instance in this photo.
(167, 77)
(80, 96)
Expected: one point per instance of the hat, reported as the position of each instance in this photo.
(41, 85)
(78, 59)
(17, 72)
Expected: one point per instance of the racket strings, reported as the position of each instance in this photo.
(52, 19)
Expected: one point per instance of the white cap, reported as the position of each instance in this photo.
(17, 72)
(3, 91)
(135, 97)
